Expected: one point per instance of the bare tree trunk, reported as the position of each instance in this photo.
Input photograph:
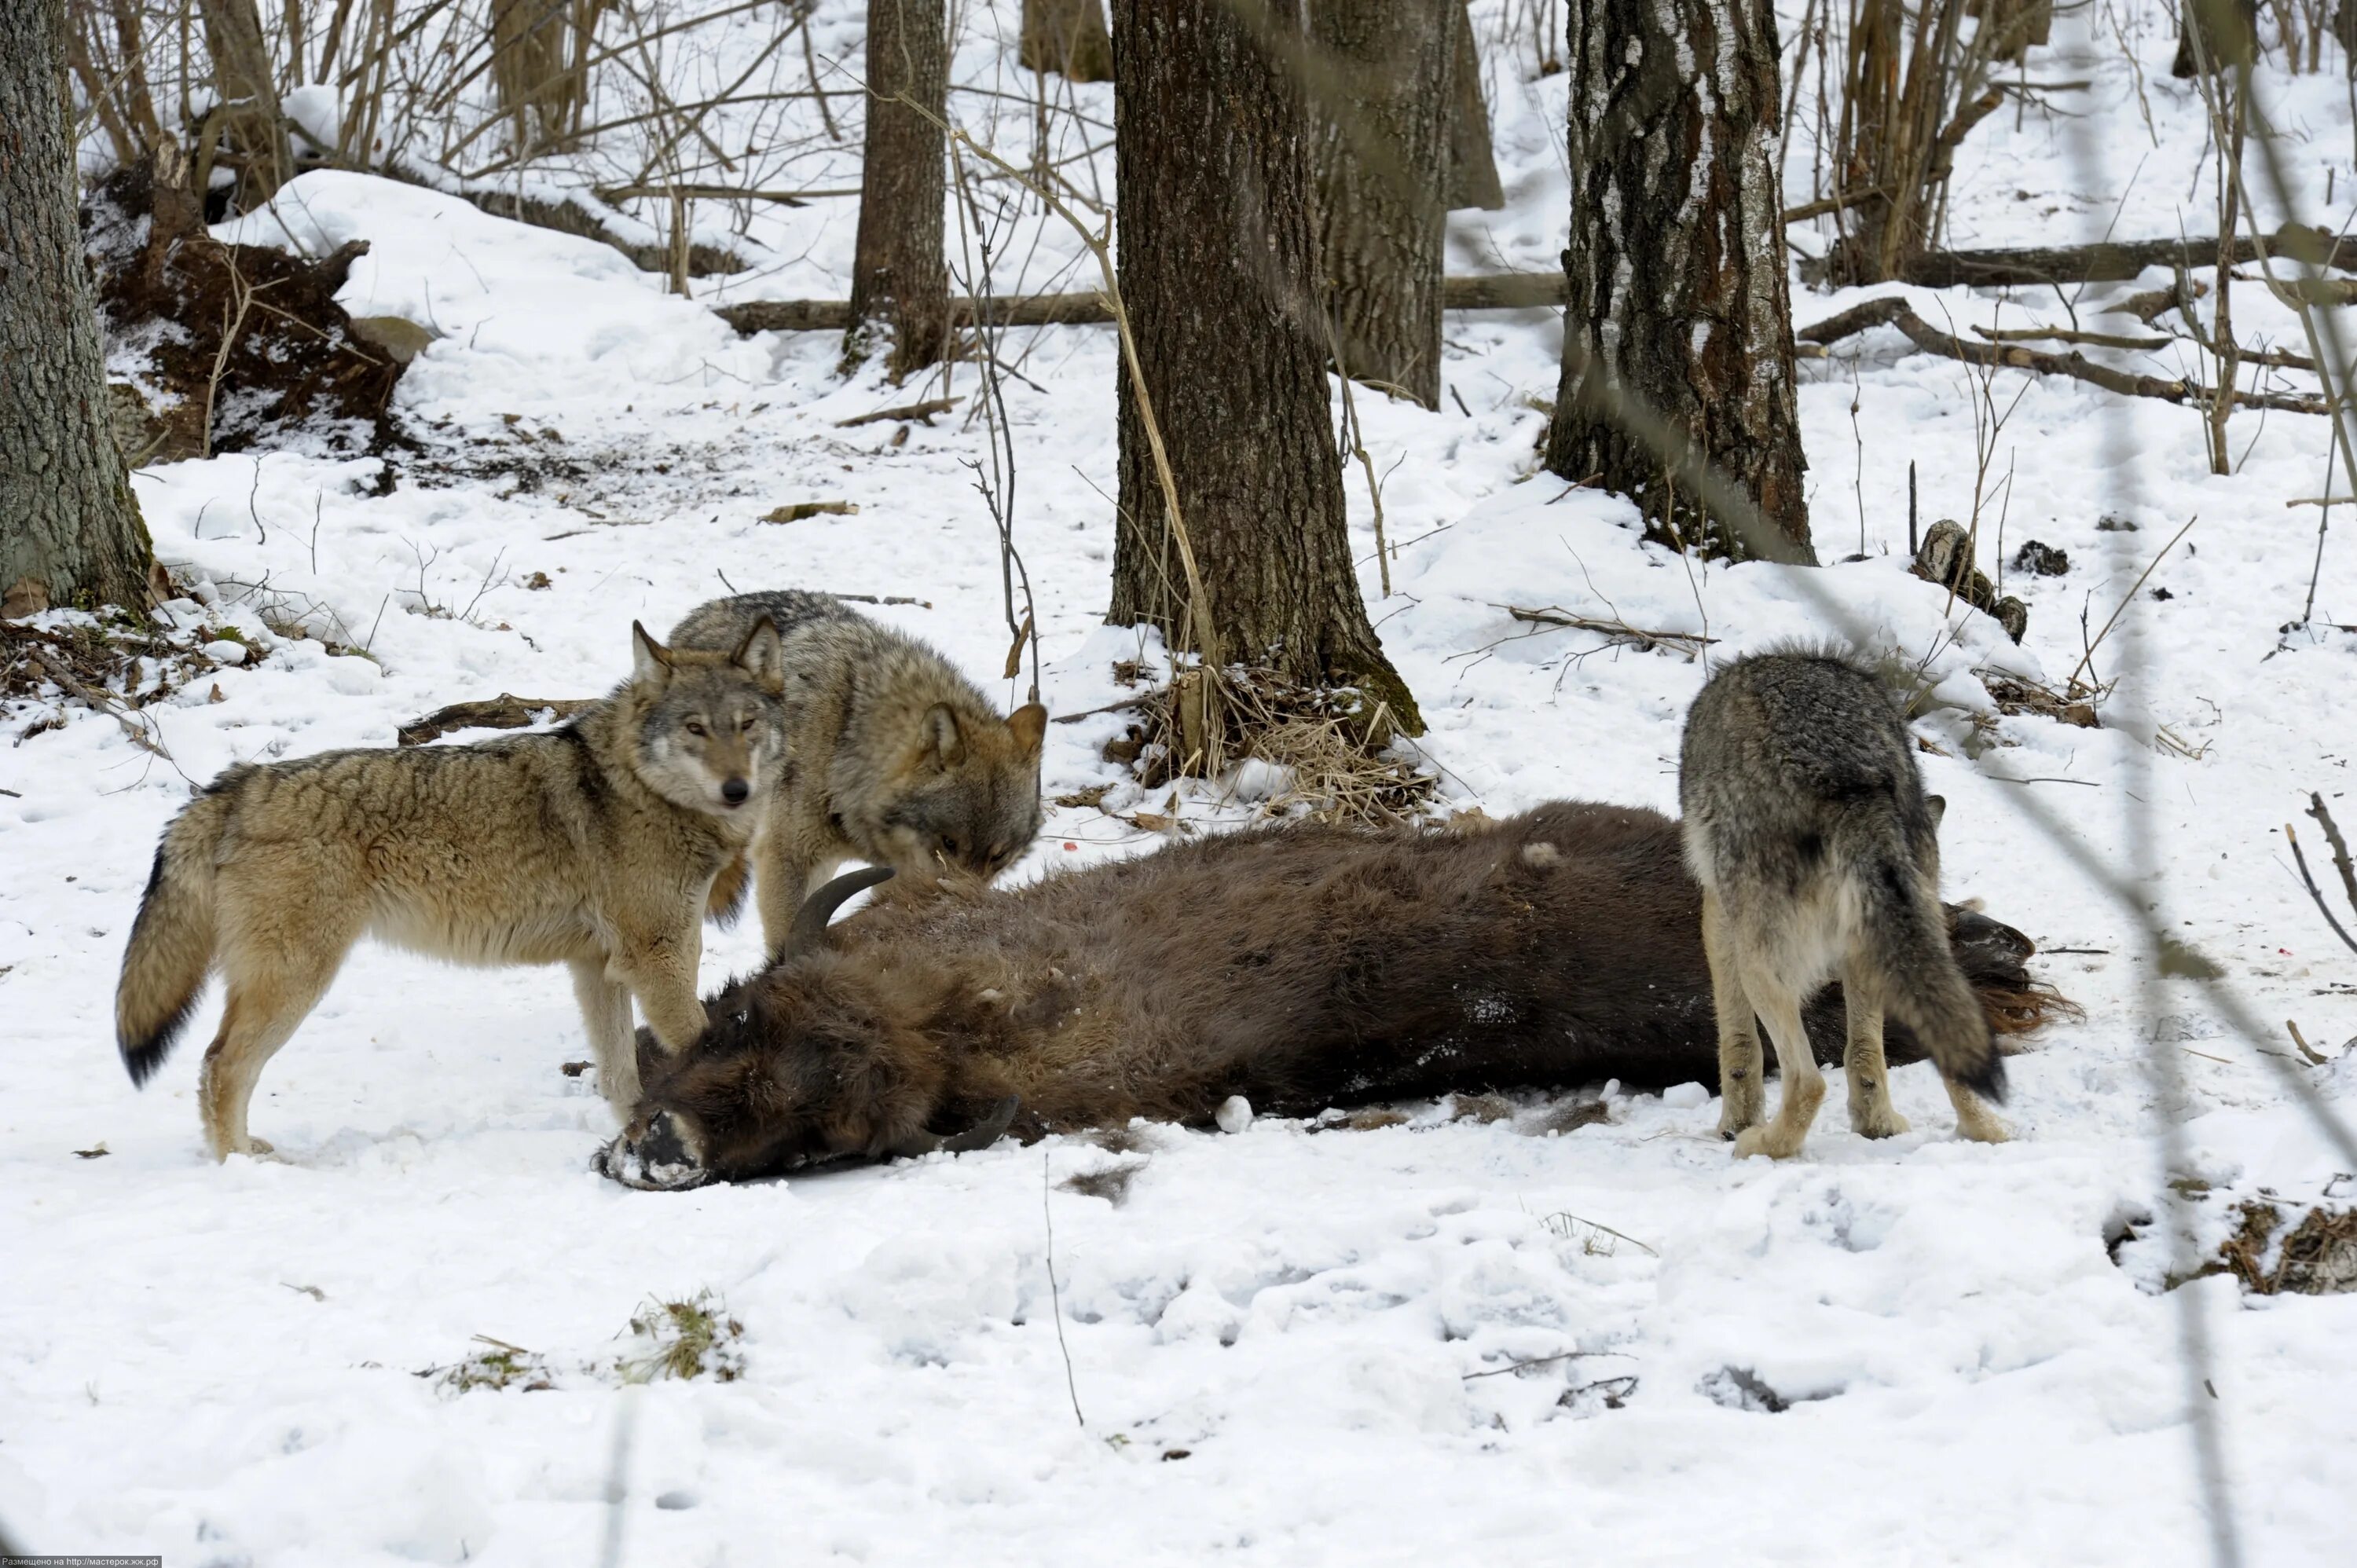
(69, 530)
(1067, 37)
(2230, 36)
(1216, 263)
(1472, 163)
(539, 54)
(249, 115)
(898, 272)
(1379, 128)
(1676, 264)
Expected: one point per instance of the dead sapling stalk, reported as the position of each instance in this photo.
(996, 480)
(2087, 660)
(1352, 440)
(2226, 100)
(2340, 863)
(232, 323)
(1055, 1292)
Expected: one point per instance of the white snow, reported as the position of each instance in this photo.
(1282, 1344)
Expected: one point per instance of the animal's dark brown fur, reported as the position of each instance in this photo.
(1301, 967)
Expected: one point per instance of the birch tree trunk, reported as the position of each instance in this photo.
(897, 273)
(1217, 256)
(1678, 296)
(69, 530)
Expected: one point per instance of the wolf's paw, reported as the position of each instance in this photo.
(1983, 1129)
(1771, 1140)
(658, 1160)
(1737, 1120)
(1741, 1106)
(1877, 1121)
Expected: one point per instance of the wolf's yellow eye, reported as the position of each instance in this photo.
(694, 728)
(744, 726)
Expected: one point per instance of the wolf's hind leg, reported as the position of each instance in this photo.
(605, 1015)
(1742, 1093)
(1973, 1118)
(272, 989)
(1871, 1114)
(1804, 1086)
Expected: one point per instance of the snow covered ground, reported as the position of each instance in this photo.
(1289, 1345)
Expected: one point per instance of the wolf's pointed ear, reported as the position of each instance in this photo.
(650, 659)
(762, 654)
(943, 737)
(1939, 804)
(1029, 725)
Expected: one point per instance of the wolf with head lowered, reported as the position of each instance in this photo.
(595, 847)
(1818, 854)
(892, 756)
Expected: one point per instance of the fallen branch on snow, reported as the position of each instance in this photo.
(1895, 312)
(502, 712)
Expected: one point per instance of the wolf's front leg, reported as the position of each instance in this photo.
(606, 1016)
(660, 971)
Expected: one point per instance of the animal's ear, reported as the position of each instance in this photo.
(942, 737)
(762, 654)
(1939, 804)
(650, 659)
(1029, 725)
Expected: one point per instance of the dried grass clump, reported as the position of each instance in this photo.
(1331, 760)
(2316, 1257)
(685, 1339)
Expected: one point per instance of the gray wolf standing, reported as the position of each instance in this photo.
(594, 845)
(892, 756)
(1818, 854)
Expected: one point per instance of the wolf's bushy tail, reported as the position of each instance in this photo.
(1907, 936)
(172, 940)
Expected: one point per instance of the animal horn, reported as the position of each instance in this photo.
(981, 1135)
(810, 922)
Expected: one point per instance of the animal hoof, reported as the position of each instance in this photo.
(658, 1160)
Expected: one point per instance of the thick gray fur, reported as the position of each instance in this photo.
(892, 755)
(1818, 854)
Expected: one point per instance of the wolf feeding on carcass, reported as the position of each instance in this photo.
(1299, 966)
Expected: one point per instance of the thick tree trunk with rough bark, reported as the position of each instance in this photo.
(897, 273)
(1472, 162)
(1676, 266)
(1067, 37)
(70, 531)
(1217, 256)
(1380, 122)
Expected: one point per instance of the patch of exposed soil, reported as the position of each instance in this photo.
(224, 347)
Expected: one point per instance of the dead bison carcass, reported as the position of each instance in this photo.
(1301, 967)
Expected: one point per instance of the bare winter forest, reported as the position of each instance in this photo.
(1239, 502)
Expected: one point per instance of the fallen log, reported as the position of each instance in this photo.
(2111, 262)
(1488, 291)
(1895, 312)
(502, 712)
